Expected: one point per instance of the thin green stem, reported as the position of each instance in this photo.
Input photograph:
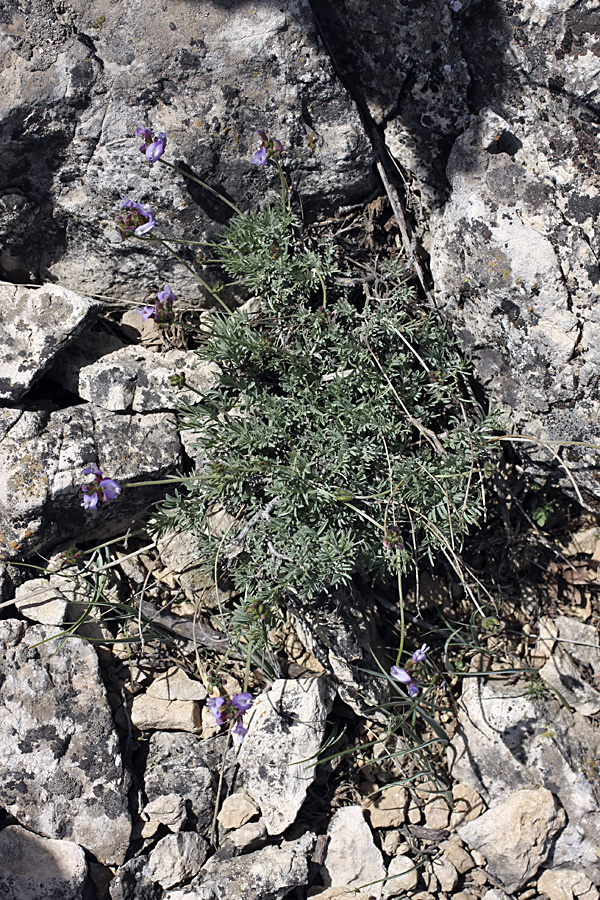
(204, 185)
(284, 187)
(192, 270)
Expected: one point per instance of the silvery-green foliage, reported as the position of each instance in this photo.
(338, 436)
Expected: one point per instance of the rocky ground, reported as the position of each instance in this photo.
(116, 783)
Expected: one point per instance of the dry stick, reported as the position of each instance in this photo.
(188, 631)
(401, 221)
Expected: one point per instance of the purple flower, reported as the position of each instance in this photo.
(162, 310)
(215, 704)
(152, 148)
(399, 674)
(138, 219)
(413, 689)
(420, 655)
(243, 701)
(105, 488)
(146, 313)
(239, 732)
(260, 157)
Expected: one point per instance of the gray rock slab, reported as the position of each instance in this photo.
(267, 874)
(35, 324)
(38, 868)
(506, 741)
(132, 882)
(68, 114)
(181, 764)
(61, 773)
(352, 859)
(42, 457)
(177, 858)
(515, 835)
(130, 377)
(285, 733)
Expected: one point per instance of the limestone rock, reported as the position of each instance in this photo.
(42, 601)
(177, 858)
(176, 685)
(68, 115)
(36, 868)
(561, 672)
(249, 836)
(151, 713)
(565, 884)
(236, 810)
(268, 873)
(467, 805)
(352, 859)
(455, 853)
(180, 764)
(118, 377)
(132, 882)
(403, 876)
(169, 810)
(387, 809)
(42, 457)
(276, 759)
(446, 874)
(516, 835)
(34, 326)
(60, 767)
(506, 741)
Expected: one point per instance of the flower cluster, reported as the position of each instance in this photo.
(161, 311)
(105, 488)
(404, 676)
(225, 710)
(153, 147)
(269, 148)
(392, 541)
(138, 219)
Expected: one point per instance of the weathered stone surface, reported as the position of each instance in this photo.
(561, 672)
(36, 868)
(286, 730)
(41, 600)
(236, 810)
(176, 685)
(455, 853)
(129, 377)
(169, 810)
(42, 457)
(34, 326)
(177, 858)
(387, 808)
(132, 882)
(60, 767)
(207, 77)
(516, 835)
(178, 764)
(267, 874)
(403, 876)
(565, 884)
(445, 873)
(506, 742)
(249, 836)
(352, 858)
(148, 713)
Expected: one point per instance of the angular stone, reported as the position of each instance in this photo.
(177, 858)
(181, 764)
(41, 601)
(507, 741)
(236, 810)
(516, 835)
(467, 805)
(387, 809)
(132, 882)
(277, 757)
(561, 672)
(34, 326)
(35, 868)
(128, 377)
(152, 713)
(42, 457)
(60, 767)
(352, 859)
(565, 884)
(169, 810)
(403, 876)
(446, 874)
(249, 836)
(176, 685)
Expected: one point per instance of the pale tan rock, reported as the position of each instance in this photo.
(414, 813)
(565, 884)
(515, 835)
(249, 836)
(177, 858)
(403, 876)
(391, 842)
(387, 809)
(176, 685)
(41, 601)
(148, 712)
(468, 805)
(455, 853)
(446, 874)
(352, 858)
(208, 724)
(236, 810)
(169, 810)
(34, 867)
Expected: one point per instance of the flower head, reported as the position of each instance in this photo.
(215, 704)
(100, 487)
(413, 689)
(420, 655)
(239, 732)
(138, 219)
(270, 147)
(243, 701)
(152, 148)
(399, 674)
(161, 311)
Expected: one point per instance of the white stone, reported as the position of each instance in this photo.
(566, 884)
(169, 810)
(177, 858)
(35, 867)
(403, 876)
(387, 808)
(40, 601)
(446, 874)
(352, 859)
(236, 810)
(148, 712)
(176, 685)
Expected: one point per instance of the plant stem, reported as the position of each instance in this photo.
(204, 185)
